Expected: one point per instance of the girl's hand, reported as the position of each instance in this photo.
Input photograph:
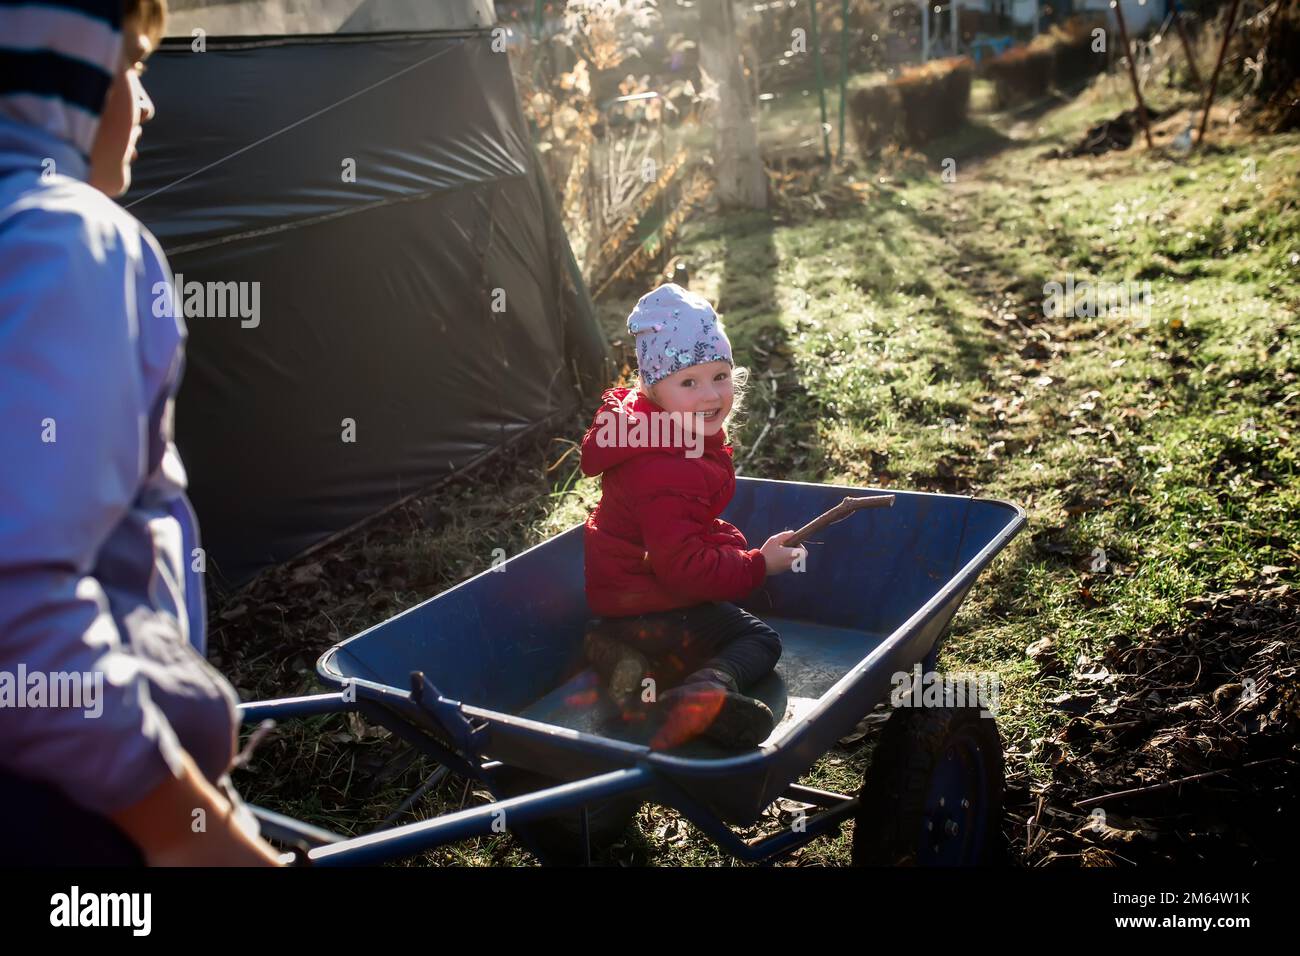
(779, 558)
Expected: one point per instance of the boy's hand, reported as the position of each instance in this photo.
(162, 825)
(779, 558)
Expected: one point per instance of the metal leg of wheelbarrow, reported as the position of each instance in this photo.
(838, 808)
(487, 773)
(433, 780)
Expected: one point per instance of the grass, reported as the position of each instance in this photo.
(897, 338)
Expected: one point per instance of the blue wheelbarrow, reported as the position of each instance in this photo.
(488, 679)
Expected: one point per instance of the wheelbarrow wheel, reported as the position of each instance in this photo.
(558, 839)
(932, 795)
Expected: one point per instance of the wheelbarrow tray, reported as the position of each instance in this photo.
(504, 648)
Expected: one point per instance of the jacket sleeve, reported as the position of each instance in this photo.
(727, 530)
(588, 456)
(73, 423)
(681, 543)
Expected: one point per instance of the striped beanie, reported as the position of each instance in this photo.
(57, 59)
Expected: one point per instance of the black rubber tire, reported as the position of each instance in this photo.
(893, 821)
(558, 839)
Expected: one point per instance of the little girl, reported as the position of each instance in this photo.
(661, 567)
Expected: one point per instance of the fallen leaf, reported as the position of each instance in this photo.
(1039, 647)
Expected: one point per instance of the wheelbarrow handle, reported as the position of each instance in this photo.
(311, 705)
(838, 513)
(412, 838)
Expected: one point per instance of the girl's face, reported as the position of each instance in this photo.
(703, 388)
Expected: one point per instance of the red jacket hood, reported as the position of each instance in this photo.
(599, 456)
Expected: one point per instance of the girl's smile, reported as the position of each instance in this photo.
(705, 390)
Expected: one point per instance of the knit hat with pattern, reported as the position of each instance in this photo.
(675, 329)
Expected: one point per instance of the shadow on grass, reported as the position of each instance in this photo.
(775, 434)
(976, 139)
(970, 274)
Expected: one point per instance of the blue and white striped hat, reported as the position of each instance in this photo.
(57, 59)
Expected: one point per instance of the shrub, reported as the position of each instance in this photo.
(934, 98)
(1021, 74)
(875, 111)
(1062, 58)
(1075, 60)
(922, 103)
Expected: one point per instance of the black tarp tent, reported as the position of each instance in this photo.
(432, 305)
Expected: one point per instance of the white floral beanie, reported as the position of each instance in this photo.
(675, 329)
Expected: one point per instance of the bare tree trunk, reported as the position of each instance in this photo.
(738, 164)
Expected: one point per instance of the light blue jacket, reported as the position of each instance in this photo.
(99, 572)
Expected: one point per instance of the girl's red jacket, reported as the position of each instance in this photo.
(655, 542)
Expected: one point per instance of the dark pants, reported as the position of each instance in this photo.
(715, 635)
(39, 826)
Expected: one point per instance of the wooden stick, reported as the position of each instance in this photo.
(838, 513)
(1218, 65)
(1187, 49)
(1132, 70)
